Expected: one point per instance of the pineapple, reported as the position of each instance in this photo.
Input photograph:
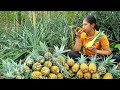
(80, 74)
(59, 76)
(48, 55)
(61, 59)
(26, 68)
(71, 72)
(83, 63)
(113, 73)
(75, 67)
(29, 61)
(45, 71)
(90, 43)
(66, 66)
(103, 65)
(41, 59)
(19, 77)
(95, 76)
(70, 62)
(48, 64)
(36, 66)
(92, 66)
(55, 69)
(36, 75)
(52, 76)
(87, 75)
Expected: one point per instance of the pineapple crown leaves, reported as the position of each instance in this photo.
(100, 33)
(58, 51)
(43, 47)
(64, 40)
(114, 71)
(82, 59)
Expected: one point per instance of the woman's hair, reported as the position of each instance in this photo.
(91, 20)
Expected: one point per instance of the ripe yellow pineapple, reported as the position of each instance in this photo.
(87, 75)
(108, 76)
(71, 72)
(92, 65)
(52, 76)
(45, 71)
(55, 69)
(36, 75)
(80, 74)
(95, 76)
(70, 62)
(83, 63)
(66, 66)
(59, 76)
(36, 66)
(75, 67)
(48, 64)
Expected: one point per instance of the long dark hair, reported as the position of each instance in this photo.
(91, 20)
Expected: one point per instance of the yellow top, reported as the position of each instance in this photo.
(100, 44)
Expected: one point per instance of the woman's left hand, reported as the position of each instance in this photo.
(93, 49)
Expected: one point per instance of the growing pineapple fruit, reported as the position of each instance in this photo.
(92, 65)
(48, 64)
(45, 71)
(52, 76)
(113, 73)
(36, 75)
(59, 76)
(29, 61)
(36, 66)
(87, 75)
(55, 69)
(90, 43)
(79, 74)
(95, 76)
(83, 63)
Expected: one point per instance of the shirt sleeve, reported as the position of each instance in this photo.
(104, 42)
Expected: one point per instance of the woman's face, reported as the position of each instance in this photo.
(87, 26)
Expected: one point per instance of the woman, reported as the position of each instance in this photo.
(87, 33)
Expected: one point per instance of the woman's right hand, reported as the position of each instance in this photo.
(78, 32)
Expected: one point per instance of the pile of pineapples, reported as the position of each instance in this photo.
(41, 63)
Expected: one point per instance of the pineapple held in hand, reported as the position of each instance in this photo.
(90, 43)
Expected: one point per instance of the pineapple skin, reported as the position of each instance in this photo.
(52, 76)
(70, 62)
(95, 76)
(54, 69)
(59, 76)
(92, 68)
(45, 71)
(75, 67)
(80, 74)
(84, 67)
(87, 75)
(108, 76)
(48, 64)
(36, 66)
(36, 75)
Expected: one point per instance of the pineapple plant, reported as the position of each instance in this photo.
(97, 37)
(83, 63)
(79, 74)
(36, 66)
(112, 73)
(36, 75)
(52, 76)
(29, 61)
(54, 69)
(92, 65)
(87, 75)
(45, 71)
(48, 64)
(95, 76)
